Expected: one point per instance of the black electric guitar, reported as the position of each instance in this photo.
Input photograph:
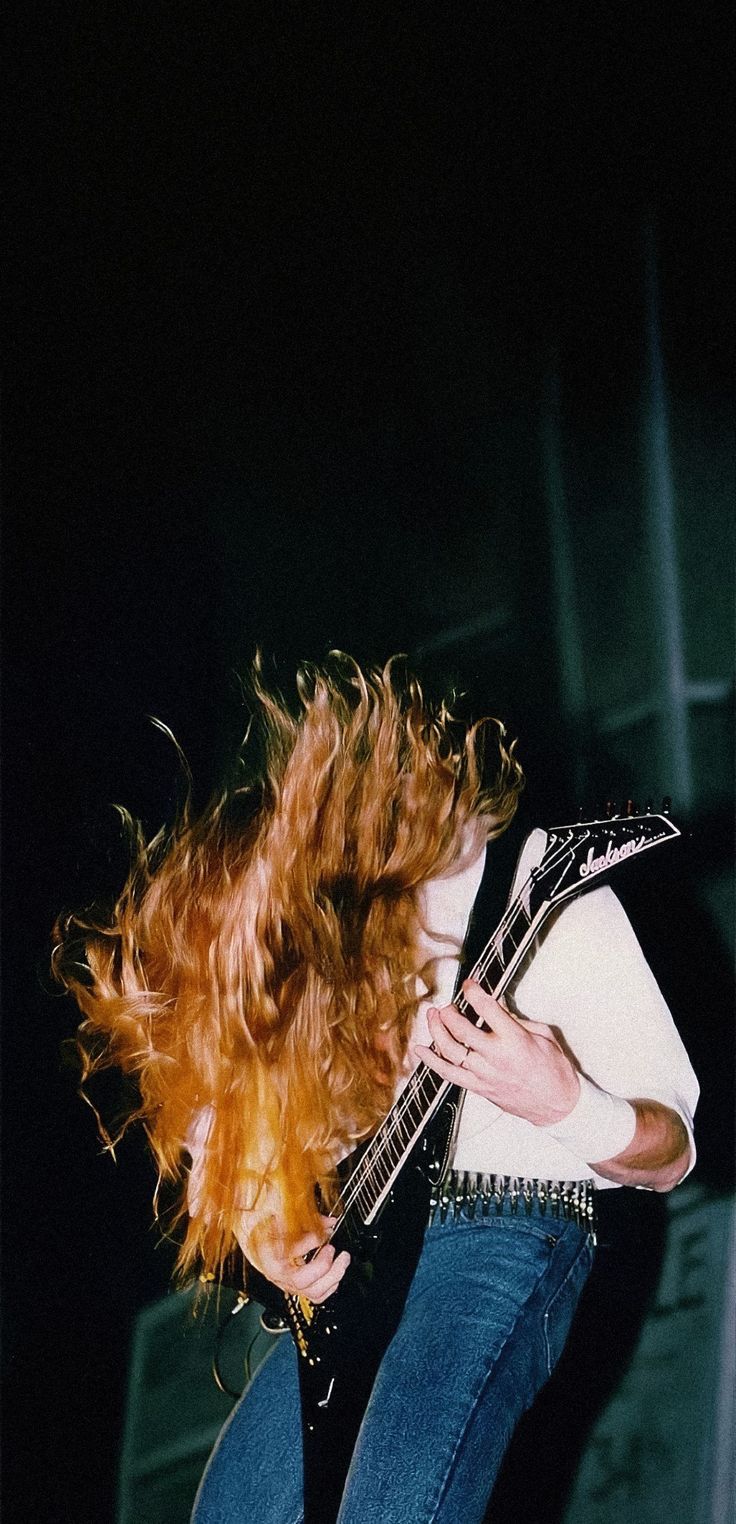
(386, 1183)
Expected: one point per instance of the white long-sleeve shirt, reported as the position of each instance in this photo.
(586, 975)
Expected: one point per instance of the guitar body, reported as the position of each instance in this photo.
(352, 1333)
(341, 1343)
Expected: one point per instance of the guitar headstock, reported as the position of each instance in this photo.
(578, 855)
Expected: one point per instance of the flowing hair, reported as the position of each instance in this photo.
(260, 971)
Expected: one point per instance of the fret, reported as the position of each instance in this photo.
(502, 948)
(383, 1169)
(414, 1107)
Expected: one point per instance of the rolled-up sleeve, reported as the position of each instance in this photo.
(589, 978)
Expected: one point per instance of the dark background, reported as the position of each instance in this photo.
(291, 290)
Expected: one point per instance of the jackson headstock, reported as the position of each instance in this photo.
(577, 855)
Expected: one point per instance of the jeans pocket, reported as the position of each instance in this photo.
(560, 1309)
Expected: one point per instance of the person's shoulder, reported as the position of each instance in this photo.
(599, 904)
(594, 910)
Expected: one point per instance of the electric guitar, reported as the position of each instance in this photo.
(386, 1183)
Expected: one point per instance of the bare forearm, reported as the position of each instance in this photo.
(658, 1154)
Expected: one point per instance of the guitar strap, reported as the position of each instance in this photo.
(494, 893)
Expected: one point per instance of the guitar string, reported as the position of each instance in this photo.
(413, 1090)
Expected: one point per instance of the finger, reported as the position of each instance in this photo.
(539, 1028)
(304, 1276)
(306, 1245)
(451, 1072)
(326, 1285)
(327, 1262)
(323, 1285)
(323, 1295)
(493, 1013)
(305, 1249)
(465, 1033)
(453, 1046)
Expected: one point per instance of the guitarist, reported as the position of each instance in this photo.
(272, 973)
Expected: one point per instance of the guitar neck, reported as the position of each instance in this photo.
(372, 1179)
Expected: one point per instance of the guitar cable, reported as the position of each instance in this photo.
(216, 1366)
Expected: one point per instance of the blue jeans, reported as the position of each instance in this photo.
(485, 1322)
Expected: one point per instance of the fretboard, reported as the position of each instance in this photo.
(371, 1180)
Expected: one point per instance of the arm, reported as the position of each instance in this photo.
(521, 1066)
(658, 1154)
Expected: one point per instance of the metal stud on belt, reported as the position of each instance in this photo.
(463, 1191)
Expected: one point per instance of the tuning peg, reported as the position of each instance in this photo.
(630, 807)
(649, 807)
(666, 804)
(581, 812)
(610, 809)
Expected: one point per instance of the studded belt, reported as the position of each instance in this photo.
(466, 1193)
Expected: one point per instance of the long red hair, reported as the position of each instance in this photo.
(262, 960)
